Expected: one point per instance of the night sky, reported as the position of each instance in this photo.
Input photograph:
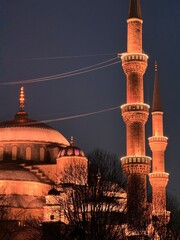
(39, 38)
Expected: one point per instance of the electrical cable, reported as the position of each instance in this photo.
(73, 117)
(65, 74)
(63, 57)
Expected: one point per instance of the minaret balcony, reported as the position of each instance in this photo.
(129, 57)
(135, 112)
(158, 179)
(159, 175)
(157, 139)
(158, 143)
(134, 62)
(136, 164)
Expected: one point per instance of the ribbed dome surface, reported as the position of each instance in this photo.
(22, 128)
(71, 151)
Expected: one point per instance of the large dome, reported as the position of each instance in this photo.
(25, 139)
(22, 128)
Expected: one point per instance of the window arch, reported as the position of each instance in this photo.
(42, 153)
(1, 153)
(28, 153)
(14, 153)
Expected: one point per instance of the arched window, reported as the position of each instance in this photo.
(14, 153)
(42, 152)
(1, 153)
(28, 153)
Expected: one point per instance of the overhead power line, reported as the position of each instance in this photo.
(79, 71)
(75, 116)
(63, 57)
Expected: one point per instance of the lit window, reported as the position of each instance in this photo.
(1, 153)
(28, 153)
(42, 151)
(76, 152)
(14, 153)
(70, 152)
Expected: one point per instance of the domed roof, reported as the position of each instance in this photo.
(23, 128)
(71, 150)
(9, 171)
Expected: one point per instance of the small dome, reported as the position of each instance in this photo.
(71, 151)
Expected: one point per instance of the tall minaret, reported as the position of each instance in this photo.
(136, 165)
(158, 142)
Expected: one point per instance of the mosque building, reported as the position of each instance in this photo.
(34, 156)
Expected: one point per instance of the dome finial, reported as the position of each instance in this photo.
(72, 141)
(21, 99)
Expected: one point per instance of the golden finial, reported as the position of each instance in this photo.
(21, 98)
(156, 66)
(72, 141)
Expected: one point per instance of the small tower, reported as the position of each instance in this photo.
(72, 165)
(52, 208)
(136, 165)
(158, 142)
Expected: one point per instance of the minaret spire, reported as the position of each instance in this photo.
(21, 99)
(156, 106)
(135, 9)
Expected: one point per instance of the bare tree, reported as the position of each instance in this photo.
(13, 227)
(173, 227)
(96, 212)
(100, 207)
(108, 164)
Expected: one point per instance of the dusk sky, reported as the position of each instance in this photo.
(40, 38)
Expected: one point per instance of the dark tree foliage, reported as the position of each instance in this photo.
(94, 212)
(108, 165)
(173, 226)
(13, 229)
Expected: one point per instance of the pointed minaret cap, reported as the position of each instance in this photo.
(21, 99)
(135, 9)
(156, 106)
